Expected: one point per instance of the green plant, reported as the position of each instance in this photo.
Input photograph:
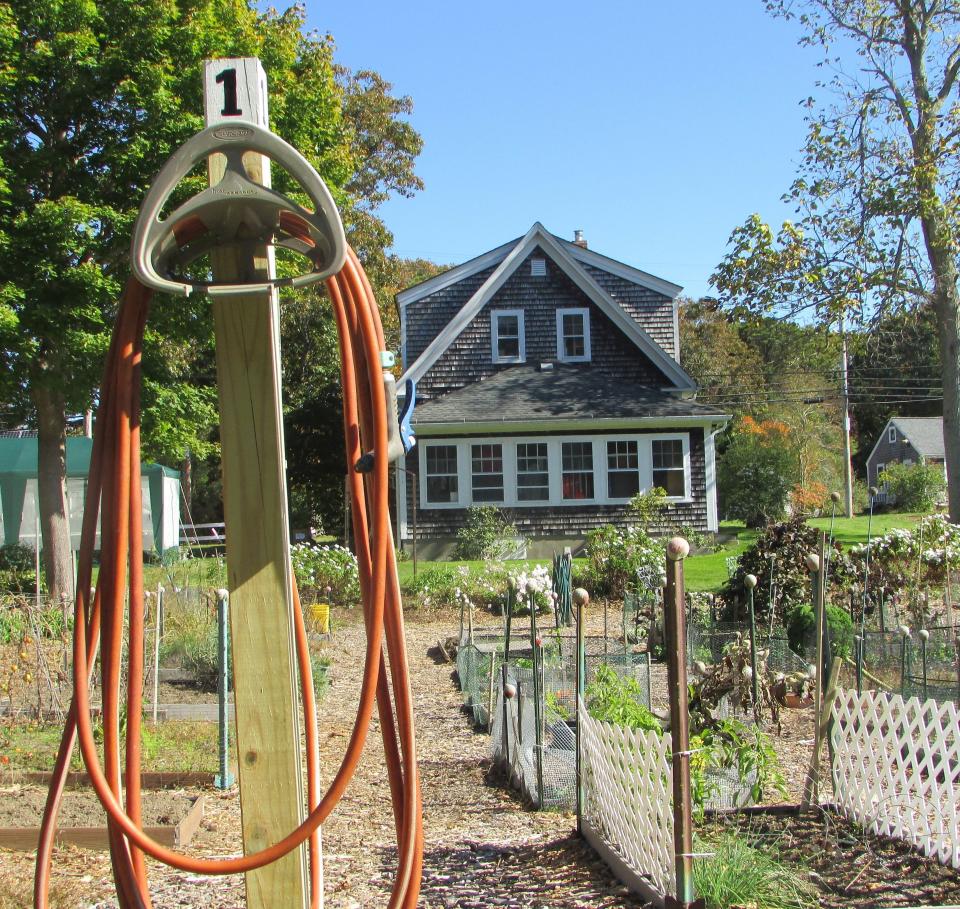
(320, 672)
(737, 874)
(785, 545)
(801, 630)
(486, 534)
(916, 487)
(328, 573)
(646, 508)
(622, 557)
(613, 699)
(18, 570)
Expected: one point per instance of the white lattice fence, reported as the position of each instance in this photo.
(627, 797)
(896, 769)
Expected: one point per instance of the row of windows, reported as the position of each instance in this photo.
(553, 471)
(508, 338)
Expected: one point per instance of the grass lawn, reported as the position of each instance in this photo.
(709, 571)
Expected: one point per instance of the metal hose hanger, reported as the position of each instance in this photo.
(114, 492)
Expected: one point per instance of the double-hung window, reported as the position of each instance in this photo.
(669, 472)
(506, 336)
(576, 461)
(441, 485)
(573, 335)
(486, 463)
(623, 469)
(533, 472)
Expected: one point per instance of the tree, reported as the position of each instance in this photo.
(757, 471)
(94, 98)
(878, 186)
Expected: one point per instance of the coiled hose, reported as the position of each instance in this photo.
(113, 493)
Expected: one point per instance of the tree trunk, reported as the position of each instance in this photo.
(52, 492)
(947, 309)
(186, 489)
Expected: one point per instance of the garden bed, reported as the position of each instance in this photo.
(851, 869)
(170, 817)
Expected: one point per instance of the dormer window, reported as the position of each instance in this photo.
(506, 336)
(573, 335)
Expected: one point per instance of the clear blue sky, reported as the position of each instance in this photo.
(655, 127)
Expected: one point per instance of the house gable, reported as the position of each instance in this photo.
(583, 290)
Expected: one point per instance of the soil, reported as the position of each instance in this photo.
(483, 846)
(851, 868)
(22, 806)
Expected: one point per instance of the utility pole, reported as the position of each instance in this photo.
(845, 396)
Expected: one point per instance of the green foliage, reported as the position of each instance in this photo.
(621, 558)
(916, 487)
(486, 534)
(787, 544)
(611, 698)
(17, 570)
(190, 638)
(757, 472)
(320, 672)
(647, 507)
(802, 627)
(738, 874)
(328, 573)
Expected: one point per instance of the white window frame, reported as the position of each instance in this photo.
(642, 460)
(495, 316)
(515, 445)
(685, 447)
(555, 499)
(503, 474)
(445, 443)
(891, 434)
(573, 311)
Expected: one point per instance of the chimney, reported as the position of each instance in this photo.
(578, 239)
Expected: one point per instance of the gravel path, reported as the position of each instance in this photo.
(483, 848)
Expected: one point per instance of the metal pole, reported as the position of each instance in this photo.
(677, 551)
(845, 417)
(858, 656)
(605, 605)
(511, 591)
(413, 499)
(754, 692)
(924, 634)
(224, 779)
(770, 609)
(538, 696)
(866, 568)
(811, 790)
(156, 650)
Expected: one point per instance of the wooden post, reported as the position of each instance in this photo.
(511, 596)
(246, 327)
(811, 791)
(675, 634)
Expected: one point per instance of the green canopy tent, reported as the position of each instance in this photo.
(18, 495)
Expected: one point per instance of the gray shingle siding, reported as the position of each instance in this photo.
(469, 357)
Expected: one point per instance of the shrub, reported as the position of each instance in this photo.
(487, 534)
(916, 487)
(802, 631)
(787, 543)
(757, 472)
(17, 570)
(623, 557)
(534, 590)
(810, 499)
(329, 573)
(646, 508)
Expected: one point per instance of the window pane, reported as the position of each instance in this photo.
(487, 472)
(667, 453)
(577, 467)
(533, 477)
(508, 347)
(670, 480)
(441, 473)
(573, 332)
(573, 347)
(623, 485)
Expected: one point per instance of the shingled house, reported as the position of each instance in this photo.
(905, 440)
(548, 384)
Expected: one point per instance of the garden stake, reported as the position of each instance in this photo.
(811, 789)
(579, 686)
(604, 630)
(770, 599)
(677, 551)
(858, 656)
(866, 566)
(511, 593)
(537, 702)
(470, 620)
(904, 657)
(924, 634)
(157, 631)
(493, 675)
(750, 581)
(224, 779)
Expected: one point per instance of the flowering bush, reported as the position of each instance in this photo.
(622, 557)
(534, 591)
(327, 573)
(913, 559)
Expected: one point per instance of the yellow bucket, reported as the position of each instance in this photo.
(320, 614)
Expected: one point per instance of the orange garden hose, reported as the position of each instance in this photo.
(113, 493)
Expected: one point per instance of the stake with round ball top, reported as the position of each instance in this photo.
(750, 582)
(678, 549)
(874, 492)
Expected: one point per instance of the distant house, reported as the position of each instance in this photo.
(548, 384)
(905, 440)
(19, 518)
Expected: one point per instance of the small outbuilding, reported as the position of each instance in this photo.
(906, 440)
(19, 517)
